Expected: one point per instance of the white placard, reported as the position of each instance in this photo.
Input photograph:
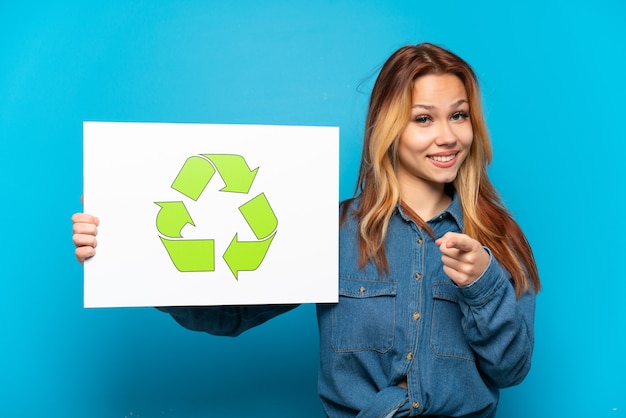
(196, 214)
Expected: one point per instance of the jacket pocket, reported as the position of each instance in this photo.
(364, 318)
(446, 333)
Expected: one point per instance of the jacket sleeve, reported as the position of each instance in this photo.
(225, 320)
(498, 326)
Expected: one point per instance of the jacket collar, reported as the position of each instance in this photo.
(454, 210)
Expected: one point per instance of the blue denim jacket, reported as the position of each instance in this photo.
(455, 346)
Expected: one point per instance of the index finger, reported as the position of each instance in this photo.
(85, 218)
(459, 242)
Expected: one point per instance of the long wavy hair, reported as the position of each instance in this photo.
(486, 219)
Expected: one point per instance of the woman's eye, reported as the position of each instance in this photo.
(422, 119)
(460, 116)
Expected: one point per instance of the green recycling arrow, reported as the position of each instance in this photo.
(191, 255)
(193, 177)
(260, 216)
(234, 171)
(246, 255)
(172, 218)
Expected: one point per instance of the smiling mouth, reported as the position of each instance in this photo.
(442, 158)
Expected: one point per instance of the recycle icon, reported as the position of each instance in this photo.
(196, 255)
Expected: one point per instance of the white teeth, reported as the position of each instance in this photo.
(443, 158)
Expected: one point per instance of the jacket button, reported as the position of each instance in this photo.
(420, 241)
(409, 356)
(416, 316)
(418, 276)
(416, 405)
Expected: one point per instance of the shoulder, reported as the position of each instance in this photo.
(347, 211)
(351, 203)
(348, 208)
(348, 220)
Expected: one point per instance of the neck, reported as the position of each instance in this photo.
(427, 201)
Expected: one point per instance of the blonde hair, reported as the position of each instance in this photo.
(485, 217)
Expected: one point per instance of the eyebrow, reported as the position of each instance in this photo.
(431, 107)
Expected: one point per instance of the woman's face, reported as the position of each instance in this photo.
(439, 135)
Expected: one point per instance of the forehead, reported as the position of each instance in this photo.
(438, 88)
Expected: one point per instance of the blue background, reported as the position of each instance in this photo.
(552, 74)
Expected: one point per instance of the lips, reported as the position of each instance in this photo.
(444, 160)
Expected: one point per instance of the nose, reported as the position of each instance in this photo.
(446, 136)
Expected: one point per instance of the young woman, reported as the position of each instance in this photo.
(437, 282)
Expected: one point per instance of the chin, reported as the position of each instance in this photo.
(447, 179)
